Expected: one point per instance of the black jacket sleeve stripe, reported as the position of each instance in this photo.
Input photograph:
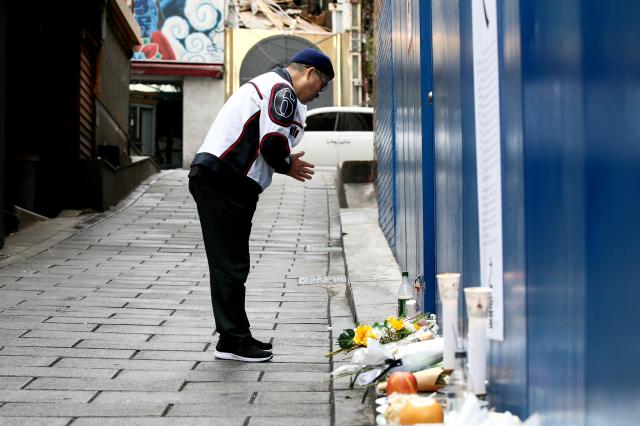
(255, 116)
(275, 150)
(241, 155)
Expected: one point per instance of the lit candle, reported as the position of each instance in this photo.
(478, 300)
(448, 285)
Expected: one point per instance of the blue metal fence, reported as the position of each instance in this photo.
(581, 97)
(570, 96)
(385, 124)
(409, 220)
(428, 239)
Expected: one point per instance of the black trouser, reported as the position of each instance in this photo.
(225, 217)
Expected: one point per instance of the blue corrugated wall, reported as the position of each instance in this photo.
(611, 97)
(406, 54)
(508, 363)
(428, 158)
(570, 99)
(404, 139)
(553, 128)
(581, 100)
(385, 123)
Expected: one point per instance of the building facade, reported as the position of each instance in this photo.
(194, 54)
(66, 117)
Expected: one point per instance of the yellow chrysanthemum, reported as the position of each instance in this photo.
(396, 323)
(417, 326)
(363, 332)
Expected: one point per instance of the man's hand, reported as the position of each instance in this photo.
(300, 169)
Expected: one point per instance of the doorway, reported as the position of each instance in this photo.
(155, 122)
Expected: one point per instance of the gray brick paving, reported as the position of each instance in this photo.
(160, 421)
(110, 344)
(50, 409)
(56, 372)
(45, 396)
(35, 421)
(27, 361)
(69, 352)
(192, 376)
(89, 335)
(257, 387)
(176, 338)
(218, 366)
(8, 382)
(271, 410)
(131, 364)
(112, 324)
(292, 398)
(148, 384)
(287, 421)
(174, 397)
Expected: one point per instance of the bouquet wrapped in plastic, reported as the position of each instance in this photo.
(373, 361)
(392, 329)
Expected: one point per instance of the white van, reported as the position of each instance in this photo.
(336, 134)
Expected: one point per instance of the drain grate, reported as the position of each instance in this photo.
(322, 279)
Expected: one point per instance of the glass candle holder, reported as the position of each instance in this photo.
(477, 300)
(448, 285)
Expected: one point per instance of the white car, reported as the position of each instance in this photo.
(336, 134)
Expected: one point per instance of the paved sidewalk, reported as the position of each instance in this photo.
(108, 321)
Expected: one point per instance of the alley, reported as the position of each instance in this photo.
(113, 325)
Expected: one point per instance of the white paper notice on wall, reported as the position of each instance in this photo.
(487, 122)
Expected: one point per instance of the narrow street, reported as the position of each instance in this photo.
(113, 324)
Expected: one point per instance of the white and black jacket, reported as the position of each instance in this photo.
(255, 130)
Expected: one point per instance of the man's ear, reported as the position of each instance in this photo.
(309, 71)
